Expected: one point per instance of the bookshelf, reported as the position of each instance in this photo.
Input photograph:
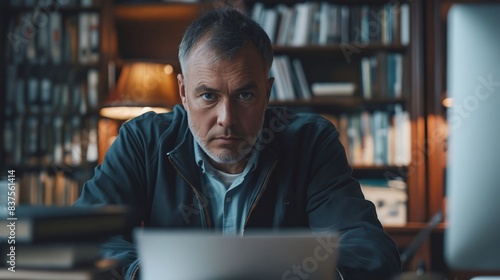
(377, 46)
(383, 60)
(53, 73)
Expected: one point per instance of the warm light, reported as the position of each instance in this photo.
(127, 112)
(142, 87)
(447, 102)
(168, 69)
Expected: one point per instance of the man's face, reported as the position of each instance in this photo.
(225, 101)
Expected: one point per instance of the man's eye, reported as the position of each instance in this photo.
(246, 95)
(208, 96)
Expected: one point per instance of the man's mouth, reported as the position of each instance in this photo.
(228, 138)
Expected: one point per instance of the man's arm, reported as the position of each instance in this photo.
(120, 180)
(337, 203)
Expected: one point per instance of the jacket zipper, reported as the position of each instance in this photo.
(205, 211)
(134, 273)
(263, 188)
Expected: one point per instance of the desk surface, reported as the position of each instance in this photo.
(102, 270)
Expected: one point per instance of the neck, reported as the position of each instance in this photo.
(230, 168)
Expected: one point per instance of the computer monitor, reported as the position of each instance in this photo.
(472, 238)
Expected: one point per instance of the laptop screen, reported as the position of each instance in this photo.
(204, 255)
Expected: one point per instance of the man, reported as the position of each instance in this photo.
(225, 162)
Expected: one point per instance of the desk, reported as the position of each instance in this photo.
(102, 270)
(430, 251)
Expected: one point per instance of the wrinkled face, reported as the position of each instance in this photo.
(225, 101)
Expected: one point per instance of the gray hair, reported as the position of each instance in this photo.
(230, 32)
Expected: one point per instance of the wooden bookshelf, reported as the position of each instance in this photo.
(52, 84)
(329, 63)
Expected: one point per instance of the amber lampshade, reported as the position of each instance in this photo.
(142, 87)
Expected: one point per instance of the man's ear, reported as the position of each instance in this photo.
(182, 89)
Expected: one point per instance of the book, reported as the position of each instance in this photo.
(367, 142)
(285, 14)
(333, 89)
(344, 24)
(279, 87)
(8, 142)
(56, 256)
(93, 89)
(101, 270)
(270, 23)
(33, 93)
(10, 100)
(286, 68)
(56, 223)
(86, 3)
(43, 43)
(84, 38)
(405, 24)
(366, 78)
(31, 42)
(390, 199)
(93, 34)
(257, 12)
(70, 39)
(92, 140)
(30, 146)
(76, 141)
(56, 37)
(324, 23)
(300, 75)
(302, 24)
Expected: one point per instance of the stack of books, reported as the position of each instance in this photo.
(59, 242)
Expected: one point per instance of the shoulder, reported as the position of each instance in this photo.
(281, 119)
(155, 127)
(153, 120)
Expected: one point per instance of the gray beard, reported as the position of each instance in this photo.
(226, 158)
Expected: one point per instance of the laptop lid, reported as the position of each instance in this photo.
(203, 255)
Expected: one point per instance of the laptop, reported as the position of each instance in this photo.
(204, 255)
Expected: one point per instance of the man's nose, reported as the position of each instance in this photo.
(226, 114)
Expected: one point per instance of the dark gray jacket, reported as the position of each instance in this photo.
(302, 172)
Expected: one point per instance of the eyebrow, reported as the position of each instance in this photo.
(250, 85)
(205, 88)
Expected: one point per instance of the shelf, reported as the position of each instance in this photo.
(165, 24)
(347, 101)
(382, 171)
(55, 167)
(55, 8)
(367, 49)
(159, 12)
(56, 66)
(412, 228)
(53, 113)
(404, 236)
(344, 104)
(340, 2)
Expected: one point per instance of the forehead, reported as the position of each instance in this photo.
(204, 55)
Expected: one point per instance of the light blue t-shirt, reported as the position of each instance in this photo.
(229, 200)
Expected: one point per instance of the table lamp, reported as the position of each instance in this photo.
(142, 87)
